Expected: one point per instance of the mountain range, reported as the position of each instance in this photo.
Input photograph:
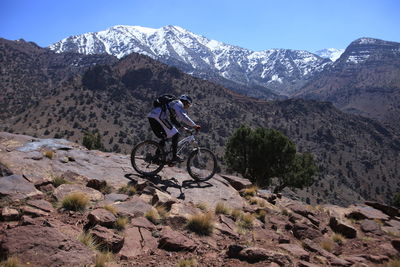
(271, 74)
(362, 79)
(47, 96)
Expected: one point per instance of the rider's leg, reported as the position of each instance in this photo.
(175, 139)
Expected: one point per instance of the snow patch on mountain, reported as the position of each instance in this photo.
(331, 53)
(200, 55)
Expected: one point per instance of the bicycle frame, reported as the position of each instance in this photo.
(185, 141)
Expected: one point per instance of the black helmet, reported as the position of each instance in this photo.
(186, 98)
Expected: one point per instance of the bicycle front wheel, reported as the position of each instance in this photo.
(201, 164)
(148, 158)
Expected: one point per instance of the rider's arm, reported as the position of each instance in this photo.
(181, 114)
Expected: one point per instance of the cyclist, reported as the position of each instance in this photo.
(165, 123)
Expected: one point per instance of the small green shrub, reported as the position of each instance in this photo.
(76, 201)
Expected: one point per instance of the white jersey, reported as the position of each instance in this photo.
(178, 112)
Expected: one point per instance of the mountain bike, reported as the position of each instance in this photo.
(149, 157)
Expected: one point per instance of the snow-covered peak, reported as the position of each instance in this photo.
(332, 53)
(278, 69)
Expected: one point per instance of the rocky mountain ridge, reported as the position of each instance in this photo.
(128, 220)
(281, 71)
(364, 80)
(358, 158)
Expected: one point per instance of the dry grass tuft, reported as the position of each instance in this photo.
(222, 208)
(162, 211)
(393, 263)
(202, 223)
(121, 223)
(88, 240)
(338, 239)
(11, 262)
(49, 154)
(191, 262)
(203, 206)
(102, 258)
(327, 245)
(129, 190)
(261, 214)
(76, 201)
(153, 216)
(246, 221)
(57, 181)
(236, 214)
(111, 209)
(249, 192)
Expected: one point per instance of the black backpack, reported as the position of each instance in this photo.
(163, 101)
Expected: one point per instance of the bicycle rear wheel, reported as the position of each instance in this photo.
(201, 164)
(148, 158)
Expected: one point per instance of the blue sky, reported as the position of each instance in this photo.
(253, 24)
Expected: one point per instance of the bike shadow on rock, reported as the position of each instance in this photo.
(164, 184)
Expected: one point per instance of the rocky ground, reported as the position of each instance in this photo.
(169, 220)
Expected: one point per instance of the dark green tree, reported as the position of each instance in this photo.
(396, 200)
(92, 141)
(264, 154)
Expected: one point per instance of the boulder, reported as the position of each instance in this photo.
(301, 209)
(226, 226)
(370, 226)
(45, 246)
(33, 212)
(9, 214)
(66, 189)
(366, 212)
(101, 217)
(4, 171)
(107, 239)
(96, 184)
(396, 244)
(342, 228)
(179, 214)
(391, 211)
(16, 187)
(302, 231)
(175, 241)
(142, 222)
(296, 251)
(41, 204)
(138, 241)
(113, 197)
(134, 207)
(163, 199)
(237, 182)
(256, 254)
